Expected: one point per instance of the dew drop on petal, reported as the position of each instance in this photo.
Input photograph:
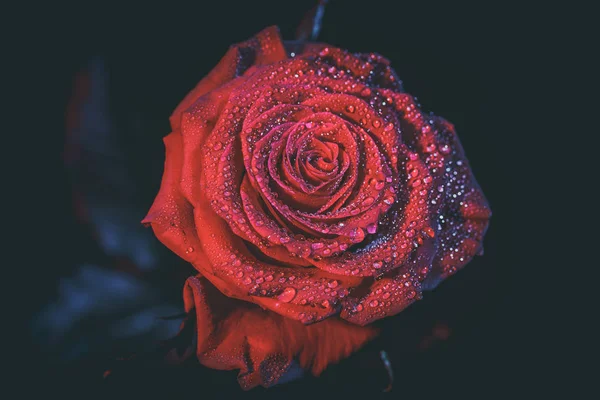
(357, 235)
(445, 149)
(284, 239)
(287, 295)
(372, 228)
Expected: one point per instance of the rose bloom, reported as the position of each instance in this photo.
(313, 197)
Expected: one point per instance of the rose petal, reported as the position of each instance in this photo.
(171, 215)
(263, 49)
(261, 344)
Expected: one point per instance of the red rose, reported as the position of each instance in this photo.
(303, 179)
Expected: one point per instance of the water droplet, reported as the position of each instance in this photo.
(376, 123)
(377, 264)
(410, 232)
(247, 280)
(333, 284)
(218, 146)
(284, 239)
(359, 307)
(287, 295)
(316, 246)
(357, 235)
(374, 303)
(372, 228)
(368, 201)
(325, 303)
(189, 250)
(269, 278)
(386, 295)
(350, 108)
(239, 274)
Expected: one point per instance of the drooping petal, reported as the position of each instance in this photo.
(262, 344)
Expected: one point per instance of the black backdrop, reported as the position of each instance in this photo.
(455, 58)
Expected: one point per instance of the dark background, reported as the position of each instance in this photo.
(459, 61)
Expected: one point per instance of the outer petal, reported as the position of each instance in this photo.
(262, 344)
(264, 48)
(171, 215)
